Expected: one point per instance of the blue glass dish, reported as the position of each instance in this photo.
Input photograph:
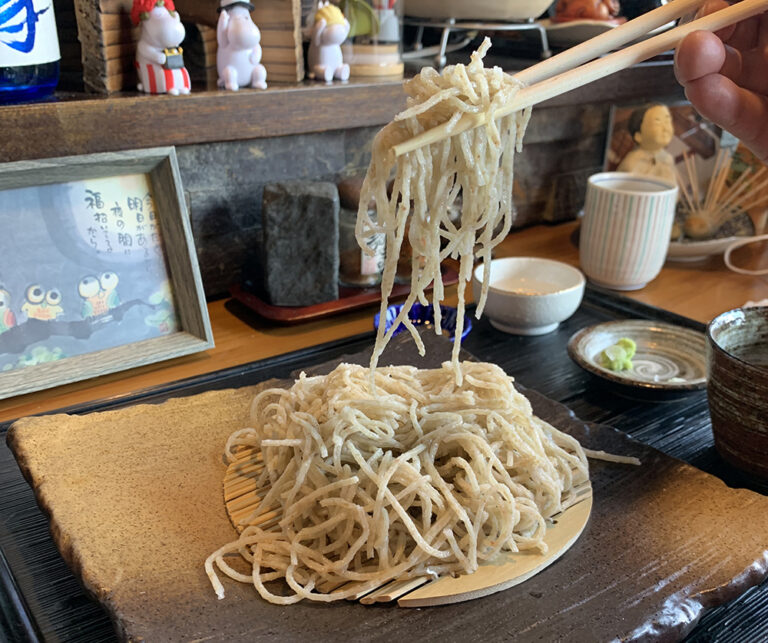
(421, 315)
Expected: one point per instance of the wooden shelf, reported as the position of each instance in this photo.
(86, 124)
(81, 124)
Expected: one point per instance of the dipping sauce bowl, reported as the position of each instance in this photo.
(528, 295)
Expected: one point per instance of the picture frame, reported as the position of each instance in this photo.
(98, 268)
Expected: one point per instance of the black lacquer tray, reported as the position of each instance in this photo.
(40, 598)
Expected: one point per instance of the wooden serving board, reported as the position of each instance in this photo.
(242, 496)
(350, 298)
(134, 499)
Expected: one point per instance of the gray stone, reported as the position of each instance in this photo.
(300, 222)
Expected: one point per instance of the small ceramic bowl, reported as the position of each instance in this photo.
(528, 295)
(737, 389)
(421, 315)
(669, 358)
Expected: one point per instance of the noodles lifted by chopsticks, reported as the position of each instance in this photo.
(427, 477)
(476, 164)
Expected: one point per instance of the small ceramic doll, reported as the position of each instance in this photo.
(651, 129)
(325, 58)
(159, 58)
(238, 59)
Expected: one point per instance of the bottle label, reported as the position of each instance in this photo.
(27, 33)
(375, 264)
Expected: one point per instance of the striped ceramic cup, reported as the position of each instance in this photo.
(625, 232)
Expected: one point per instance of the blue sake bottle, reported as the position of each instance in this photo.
(29, 50)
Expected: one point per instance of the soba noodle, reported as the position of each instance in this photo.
(476, 164)
(424, 477)
(392, 473)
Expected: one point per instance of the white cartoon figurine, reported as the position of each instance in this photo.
(238, 59)
(159, 58)
(325, 57)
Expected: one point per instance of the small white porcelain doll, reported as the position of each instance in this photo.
(238, 59)
(159, 58)
(325, 58)
(652, 131)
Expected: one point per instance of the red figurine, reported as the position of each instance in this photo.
(568, 10)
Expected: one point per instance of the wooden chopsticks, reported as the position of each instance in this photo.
(570, 73)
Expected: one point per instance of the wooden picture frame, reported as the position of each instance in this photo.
(155, 236)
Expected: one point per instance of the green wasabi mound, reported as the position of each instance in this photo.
(618, 357)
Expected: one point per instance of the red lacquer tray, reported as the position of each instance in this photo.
(349, 299)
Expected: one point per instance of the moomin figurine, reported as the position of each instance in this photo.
(159, 58)
(238, 59)
(325, 58)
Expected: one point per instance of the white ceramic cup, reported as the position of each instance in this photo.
(626, 228)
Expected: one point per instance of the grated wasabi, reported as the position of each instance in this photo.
(618, 356)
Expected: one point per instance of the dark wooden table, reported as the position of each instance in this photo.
(41, 599)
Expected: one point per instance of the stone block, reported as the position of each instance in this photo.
(300, 222)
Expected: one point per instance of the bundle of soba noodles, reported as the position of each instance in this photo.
(425, 477)
(476, 164)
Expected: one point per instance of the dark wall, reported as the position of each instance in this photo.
(224, 181)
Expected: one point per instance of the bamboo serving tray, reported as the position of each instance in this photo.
(242, 497)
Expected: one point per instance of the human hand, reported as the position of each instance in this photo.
(724, 76)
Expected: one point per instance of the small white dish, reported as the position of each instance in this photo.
(668, 358)
(529, 295)
(699, 250)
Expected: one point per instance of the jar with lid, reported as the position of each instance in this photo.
(356, 267)
(373, 48)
